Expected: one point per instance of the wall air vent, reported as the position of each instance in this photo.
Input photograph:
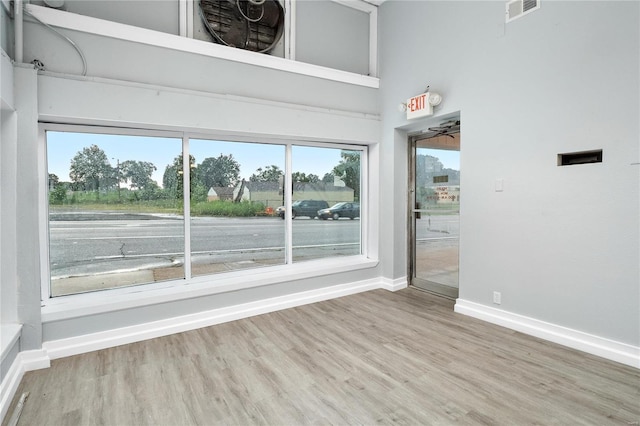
(519, 8)
(584, 157)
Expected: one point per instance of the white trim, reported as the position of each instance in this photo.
(9, 335)
(290, 29)
(120, 336)
(9, 385)
(394, 284)
(25, 361)
(186, 206)
(373, 43)
(595, 345)
(79, 305)
(119, 31)
(288, 200)
(182, 17)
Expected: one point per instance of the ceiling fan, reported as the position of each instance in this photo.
(255, 25)
(446, 129)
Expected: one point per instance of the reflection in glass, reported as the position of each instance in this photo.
(437, 226)
(115, 211)
(326, 202)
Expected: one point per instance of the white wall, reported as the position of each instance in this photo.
(560, 243)
(27, 225)
(332, 35)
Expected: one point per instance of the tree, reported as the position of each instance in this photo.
(328, 178)
(221, 171)
(349, 171)
(138, 172)
(53, 180)
(302, 177)
(268, 174)
(90, 168)
(173, 178)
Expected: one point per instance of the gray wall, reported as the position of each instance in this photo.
(327, 33)
(151, 14)
(127, 61)
(560, 243)
(332, 35)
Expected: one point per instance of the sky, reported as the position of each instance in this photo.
(63, 146)
(449, 159)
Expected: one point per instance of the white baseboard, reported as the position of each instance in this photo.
(25, 361)
(33, 360)
(395, 284)
(605, 348)
(121, 336)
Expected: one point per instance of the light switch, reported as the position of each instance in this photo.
(499, 185)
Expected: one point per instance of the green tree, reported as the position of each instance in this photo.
(268, 174)
(53, 180)
(173, 177)
(90, 168)
(328, 178)
(349, 171)
(221, 171)
(138, 172)
(302, 177)
(57, 190)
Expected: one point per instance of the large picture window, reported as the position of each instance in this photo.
(236, 188)
(115, 211)
(332, 197)
(124, 211)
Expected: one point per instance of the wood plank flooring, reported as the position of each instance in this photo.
(371, 358)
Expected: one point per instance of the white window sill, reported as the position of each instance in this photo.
(79, 305)
(101, 27)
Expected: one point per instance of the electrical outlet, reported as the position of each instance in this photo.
(497, 297)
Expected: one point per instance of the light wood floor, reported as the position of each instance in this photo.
(372, 358)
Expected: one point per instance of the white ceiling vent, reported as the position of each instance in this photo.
(519, 8)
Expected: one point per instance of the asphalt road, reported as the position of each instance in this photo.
(91, 243)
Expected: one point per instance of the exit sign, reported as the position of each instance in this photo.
(422, 105)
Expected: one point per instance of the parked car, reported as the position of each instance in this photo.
(303, 208)
(350, 210)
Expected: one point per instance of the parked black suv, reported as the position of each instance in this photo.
(350, 210)
(304, 208)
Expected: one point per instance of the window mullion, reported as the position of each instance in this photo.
(186, 205)
(288, 191)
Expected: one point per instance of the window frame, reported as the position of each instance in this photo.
(79, 304)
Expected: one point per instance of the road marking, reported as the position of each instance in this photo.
(437, 238)
(242, 250)
(128, 238)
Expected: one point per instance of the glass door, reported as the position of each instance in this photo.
(435, 213)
